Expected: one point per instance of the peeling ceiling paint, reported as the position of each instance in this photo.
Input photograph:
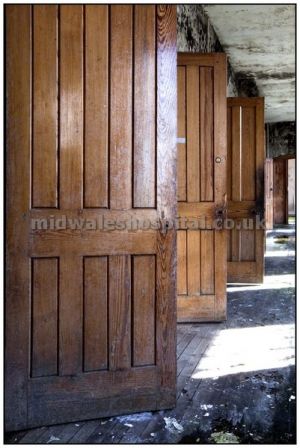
(260, 43)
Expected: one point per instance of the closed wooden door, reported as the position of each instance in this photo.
(245, 189)
(91, 305)
(269, 189)
(201, 280)
(280, 196)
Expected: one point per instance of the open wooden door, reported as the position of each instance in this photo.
(91, 146)
(269, 189)
(245, 188)
(201, 280)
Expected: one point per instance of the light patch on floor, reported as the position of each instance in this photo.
(248, 349)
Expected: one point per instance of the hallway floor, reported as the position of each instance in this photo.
(236, 380)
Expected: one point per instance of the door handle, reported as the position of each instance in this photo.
(221, 213)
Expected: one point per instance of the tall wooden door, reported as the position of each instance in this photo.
(269, 189)
(280, 193)
(245, 188)
(201, 280)
(91, 143)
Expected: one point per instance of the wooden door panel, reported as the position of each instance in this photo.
(45, 278)
(269, 191)
(96, 134)
(245, 186)
(201, 186)
(90, 309)
(95, 312)
(280, 191)
(45, 108)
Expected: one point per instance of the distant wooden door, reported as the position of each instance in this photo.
(269, 188)
(201, 280)
(280, 196)
(91, 114)
(245, 188)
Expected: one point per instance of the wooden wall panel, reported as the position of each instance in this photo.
(144, 106)
(95, 307)
(144, 267)
(44, 318)
(96, 103)
(121, 106)
(45, 107)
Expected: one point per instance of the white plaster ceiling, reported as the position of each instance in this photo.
(260, 42)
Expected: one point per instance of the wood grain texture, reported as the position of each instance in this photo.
(269, 191)
(121, 106)
(71, 106)
(144, 151)
(204, 110)
(280, 191)
(144, 267)
(181, 262)
(45, 106)
(220, 76)
(193, 136)
(96, 106)
(193, 262)
(207, 245)
(181, 131)
(206, 134)
(119, 312)
(166, 200)
(70, 314)
(95, 328)
(247, 152)
(44, 316)
(18, 148)
(116, 290)
(236, 154)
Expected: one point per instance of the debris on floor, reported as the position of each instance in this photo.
(53, 439)
(173, 425)
(224, 437)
